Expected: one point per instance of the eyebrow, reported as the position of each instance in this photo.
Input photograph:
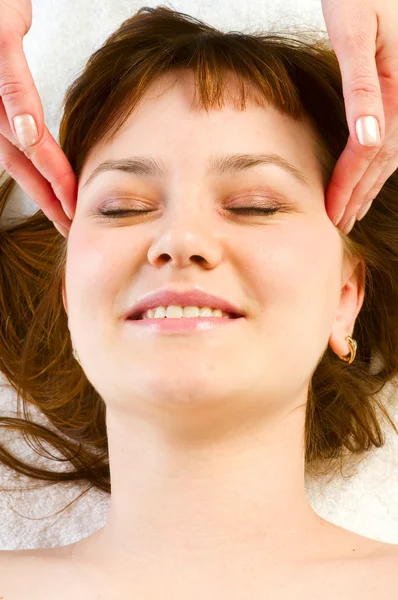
(217, 165)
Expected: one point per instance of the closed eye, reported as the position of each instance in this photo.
(256, 210)
(248, 209)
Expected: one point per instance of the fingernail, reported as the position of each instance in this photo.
(61, 229)
(368, 132)
(349, 225)
(364, 210)
(340, 216)
(67, 212)
(26, 130)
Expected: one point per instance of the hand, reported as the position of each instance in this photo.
(36, 161)
(363, 34)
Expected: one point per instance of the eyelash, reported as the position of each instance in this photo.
(112, 214)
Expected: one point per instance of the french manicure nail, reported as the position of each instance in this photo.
(367, 130)
(26, 130)
(364, 210)
(61, 229)
(340, 216)
(67, 212)
(349, 225)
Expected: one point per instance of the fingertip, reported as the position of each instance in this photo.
(339, 218)
(68, 212)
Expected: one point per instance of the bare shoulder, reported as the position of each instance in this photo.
(372, 575)
(7, 560)
(380, 573)
(36, 573)
(345, 544)
(10, 558)
(32, 574)
(382, 553)
(35, 555)
(387, 550)
(8, 575)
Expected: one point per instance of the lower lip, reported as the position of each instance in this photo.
(182, 325)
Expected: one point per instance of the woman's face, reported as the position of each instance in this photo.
(285, 270)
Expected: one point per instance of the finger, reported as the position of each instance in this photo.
(389, 169)
(359, 206)
(31, 181)
(380, 169)
(5, 129)
(17, 88)
(355, 48)
(348, 171)
(20, 97)
(51, 162)
(385, 163)
(64, 232)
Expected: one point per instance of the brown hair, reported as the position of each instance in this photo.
(299, 75)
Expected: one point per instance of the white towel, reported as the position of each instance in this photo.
(64, 34)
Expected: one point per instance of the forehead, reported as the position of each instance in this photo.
(174, 98)
(169, 122)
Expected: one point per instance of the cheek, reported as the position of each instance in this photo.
(315, 286)
(298, 289)
(298, 272)
(94, 276)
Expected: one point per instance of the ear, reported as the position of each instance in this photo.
(351, 300)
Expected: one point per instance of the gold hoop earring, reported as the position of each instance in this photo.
(353, 350)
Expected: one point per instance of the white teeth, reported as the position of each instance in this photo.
(178, 312)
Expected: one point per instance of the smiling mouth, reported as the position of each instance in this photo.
(140, 317)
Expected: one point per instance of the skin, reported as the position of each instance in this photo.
(206, 431)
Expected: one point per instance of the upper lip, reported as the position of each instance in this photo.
(191, 297)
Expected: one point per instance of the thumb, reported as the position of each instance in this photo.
(354, 44)
(19, 94)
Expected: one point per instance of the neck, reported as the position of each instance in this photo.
(199, 491)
